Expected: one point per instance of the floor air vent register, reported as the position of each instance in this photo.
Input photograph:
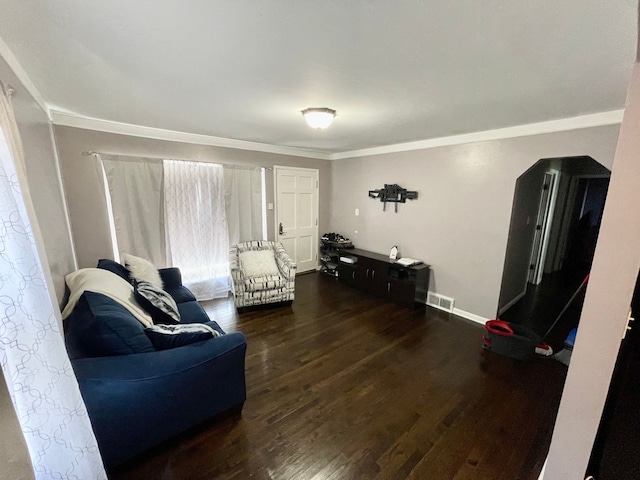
(440, 301)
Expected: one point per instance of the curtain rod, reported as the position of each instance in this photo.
(91, 153)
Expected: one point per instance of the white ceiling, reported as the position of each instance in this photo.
(396, 71)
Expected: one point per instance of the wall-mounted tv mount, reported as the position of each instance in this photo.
(393, 193)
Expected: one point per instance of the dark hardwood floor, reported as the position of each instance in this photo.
(542, 304)
(343, 385)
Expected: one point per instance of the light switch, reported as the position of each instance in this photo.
(357, 212)
(269, 206)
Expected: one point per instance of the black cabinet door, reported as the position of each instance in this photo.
(363, 271)
(402, 291)
(347, 274)
(371, 275)
(379, 279)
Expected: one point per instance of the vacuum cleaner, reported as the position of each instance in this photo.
(516, 341)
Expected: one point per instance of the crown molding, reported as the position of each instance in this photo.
(612, 117)
(12, 61)
(72, 120)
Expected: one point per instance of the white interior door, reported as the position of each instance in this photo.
(296, 194)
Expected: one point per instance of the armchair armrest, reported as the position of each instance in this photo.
(234, 267)
(285, 263)
(171, 277)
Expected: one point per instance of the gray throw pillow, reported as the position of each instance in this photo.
(157, 303)
(165, 337)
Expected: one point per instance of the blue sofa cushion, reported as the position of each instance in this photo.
(115, 267)
(180, 293)
(192, 312)
(157, 303)
(164, 337)
(100, 326)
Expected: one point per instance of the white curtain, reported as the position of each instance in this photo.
(196, 226)
(243, 202)
(41, 382)
(136, 193)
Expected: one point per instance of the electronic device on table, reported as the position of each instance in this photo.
(349, 259)
(408, 261)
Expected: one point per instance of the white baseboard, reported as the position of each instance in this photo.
(470, 316)
(513, 301)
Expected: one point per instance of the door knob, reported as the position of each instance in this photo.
(280, 229)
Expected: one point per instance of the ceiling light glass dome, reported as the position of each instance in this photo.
(319, 117)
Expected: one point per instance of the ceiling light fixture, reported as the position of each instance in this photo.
(319, 117)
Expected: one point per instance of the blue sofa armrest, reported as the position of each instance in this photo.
(137, 401)
(172, 283)
(171, 277)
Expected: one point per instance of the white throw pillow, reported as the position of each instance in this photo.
(256, 263)
(142, 270)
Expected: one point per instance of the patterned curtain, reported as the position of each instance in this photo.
(196, 226)
(39, 377)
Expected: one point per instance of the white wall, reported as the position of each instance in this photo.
(460, 222)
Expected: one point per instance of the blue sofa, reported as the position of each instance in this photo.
(137, 396)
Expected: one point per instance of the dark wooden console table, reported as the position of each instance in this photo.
(382, 276)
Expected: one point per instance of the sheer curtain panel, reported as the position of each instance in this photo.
(196, 226)
(136, 192)
(243, 202)
(41, 382)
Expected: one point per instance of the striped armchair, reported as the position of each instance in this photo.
(270, 289)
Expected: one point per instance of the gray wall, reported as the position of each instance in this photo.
(604, 314)
(460, 222)
(43, 178)
(84, 186)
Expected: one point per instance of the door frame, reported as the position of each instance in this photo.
(316, 235)
(544, 219)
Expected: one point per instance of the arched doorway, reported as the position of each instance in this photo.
(555, 220)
